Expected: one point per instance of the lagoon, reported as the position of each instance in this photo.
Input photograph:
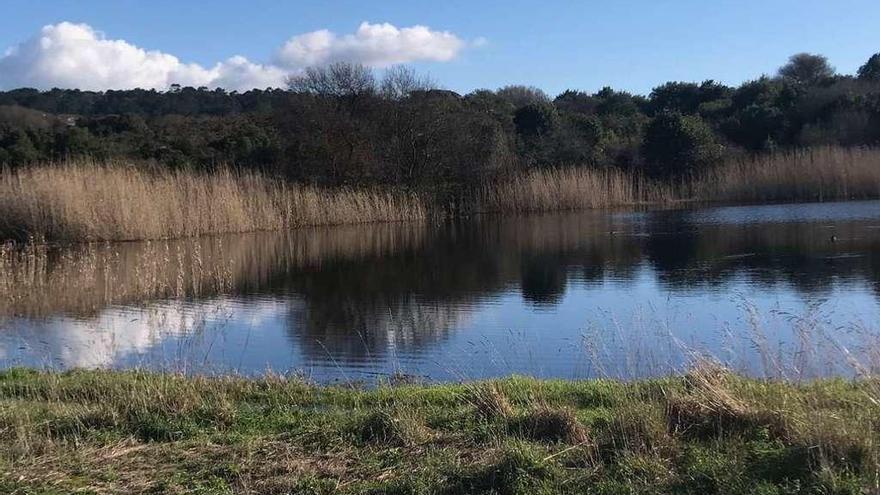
(788, 290)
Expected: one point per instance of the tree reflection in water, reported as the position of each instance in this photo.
(361, 293)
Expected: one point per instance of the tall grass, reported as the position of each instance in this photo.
(92, 202)
(813, 174)
(569, 189)
(98, 202)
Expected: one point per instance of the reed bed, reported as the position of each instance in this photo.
(94, 202)
(813, 174)
(573, 188)
(87, 201)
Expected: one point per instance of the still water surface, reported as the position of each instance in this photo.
(781, 289)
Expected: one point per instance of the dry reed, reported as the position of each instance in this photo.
(569, 189)
(86, 201)
(814, 174)
(92, 202)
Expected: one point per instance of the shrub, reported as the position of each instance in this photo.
(678, 145)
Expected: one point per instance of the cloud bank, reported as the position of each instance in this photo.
(68, 55)
(375, 45)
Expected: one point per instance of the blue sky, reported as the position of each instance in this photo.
(632, 45)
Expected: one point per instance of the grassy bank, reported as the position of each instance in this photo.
(707, 432)
(90, 202)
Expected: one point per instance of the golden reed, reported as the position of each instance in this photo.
(87, 201)
(813, 174)
(574, 188)
(93, 202)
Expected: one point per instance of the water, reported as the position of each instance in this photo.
(624, 294)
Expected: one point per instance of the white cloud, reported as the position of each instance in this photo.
(114, 336)
(374, 45)
(68, 55)
(240, 73)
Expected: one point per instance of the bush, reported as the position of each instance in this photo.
(678, 145)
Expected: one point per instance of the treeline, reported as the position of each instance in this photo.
(342, 124)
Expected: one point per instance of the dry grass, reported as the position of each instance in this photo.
(569, 189)
(393, 426)
(709, 407)
(100, 202)
(544, 423)
(716, 403)
(489, 402)
(815, 174)
(92, 202)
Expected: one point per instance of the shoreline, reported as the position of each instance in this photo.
(678, 204)
(83, 202)
(139, 432)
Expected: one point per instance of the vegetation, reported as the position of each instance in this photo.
(86, 201)
(816, 174)
(343, 125)
(568, 189)
(341, 146)
(706, 432)
(679, 144)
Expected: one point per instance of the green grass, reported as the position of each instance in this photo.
(707, 432)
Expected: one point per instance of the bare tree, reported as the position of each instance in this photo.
(807, 69)
(400, 81)
(340, 79)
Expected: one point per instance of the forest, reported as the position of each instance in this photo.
(345, 124)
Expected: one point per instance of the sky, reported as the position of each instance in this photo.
(631, 45)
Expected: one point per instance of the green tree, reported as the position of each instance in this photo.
(686, 97)
(17, 148)
(871, 70)
(677, 145)
(576, 102)
(75, 141)
(519, 95)
(535, 119)
(759, 125)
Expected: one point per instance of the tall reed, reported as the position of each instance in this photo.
(93, 202)
(811, 174)
(86, 201)
(569, 189)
